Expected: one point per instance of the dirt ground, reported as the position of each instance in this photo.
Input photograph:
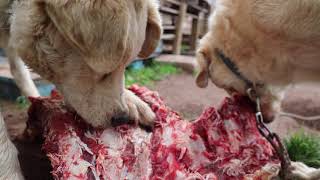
(181, 94)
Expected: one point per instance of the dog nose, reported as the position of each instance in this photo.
(269, 117)
(120, 119)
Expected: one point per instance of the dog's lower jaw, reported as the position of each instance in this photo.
(9, 163)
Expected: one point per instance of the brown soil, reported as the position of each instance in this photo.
(181, 94)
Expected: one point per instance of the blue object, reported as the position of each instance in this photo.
(137, 64)
(10, 91)
(157, 51)
(159, 48)
(44, 88)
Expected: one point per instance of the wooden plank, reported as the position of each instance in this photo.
(192, 2)
(179, 26)
(196, 25)
(167, 48)
(167, 19)
(168, 27)
(194, 34)
(193, 16)
(204, 24)
(169, 10)
(175, 2)
(168, 37)
(197, 8)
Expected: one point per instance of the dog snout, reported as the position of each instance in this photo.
(120, 119)
(268, 113)
(268, 117)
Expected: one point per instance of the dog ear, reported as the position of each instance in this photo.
(203, 65)
(153, 31)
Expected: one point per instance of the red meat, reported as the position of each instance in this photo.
(221, 144)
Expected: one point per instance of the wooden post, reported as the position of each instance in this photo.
(179, 25)
(205, 24)
(195, 32)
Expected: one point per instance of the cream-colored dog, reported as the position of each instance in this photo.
(270, 43)
(83, 47)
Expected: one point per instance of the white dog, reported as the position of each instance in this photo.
(264, 44)
(83, 47)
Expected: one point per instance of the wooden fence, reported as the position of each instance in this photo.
(184, 22)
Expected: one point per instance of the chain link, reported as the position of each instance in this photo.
(273, 138)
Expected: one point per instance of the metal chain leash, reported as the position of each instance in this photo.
(273, 138)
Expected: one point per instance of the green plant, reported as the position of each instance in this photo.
(155, 71)
(304, 148)
(195, 73)
(185, 48)
(22, 102)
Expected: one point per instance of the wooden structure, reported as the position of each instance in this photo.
(184, 22)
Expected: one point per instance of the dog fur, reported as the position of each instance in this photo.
(83, 47)
(9, 163)
(273, 42)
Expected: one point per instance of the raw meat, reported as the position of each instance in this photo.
(221, 144)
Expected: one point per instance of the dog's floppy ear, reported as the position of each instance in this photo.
(203, 67)
(153, 31)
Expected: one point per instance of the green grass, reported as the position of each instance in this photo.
(304, 148)
(155, 71)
